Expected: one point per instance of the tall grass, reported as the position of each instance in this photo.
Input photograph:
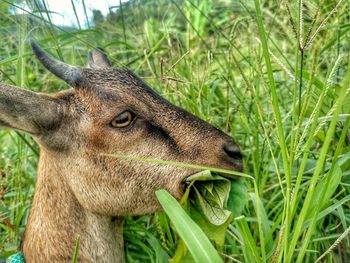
(274, 75)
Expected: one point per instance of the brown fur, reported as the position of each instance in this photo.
(81, 192)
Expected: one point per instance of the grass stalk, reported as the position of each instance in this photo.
(260, 225)
(313, 121)
(321, 200)
(179, 164)
(76, 249)
(334, 245)
(276, 110)
(314, 179)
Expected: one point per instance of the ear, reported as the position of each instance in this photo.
(28, 111)
(97, 58)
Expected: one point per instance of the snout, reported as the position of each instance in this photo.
(226, 156)
(229, 157)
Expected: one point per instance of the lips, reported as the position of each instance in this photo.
(237, 166)
(185, 182)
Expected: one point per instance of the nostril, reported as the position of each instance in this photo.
(233, 151)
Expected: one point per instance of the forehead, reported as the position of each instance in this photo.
(105, 86)
(112, 79)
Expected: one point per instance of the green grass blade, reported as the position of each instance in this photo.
(250, 249)
(262, 220)
(276, 110)
(180, 164)
(317, 172)
(76, 249)
(76, 14)
(197, 242)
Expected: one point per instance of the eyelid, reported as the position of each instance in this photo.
(129, 120)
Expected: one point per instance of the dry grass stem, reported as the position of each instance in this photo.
(335, 244)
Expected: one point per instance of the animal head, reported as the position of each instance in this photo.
(113, 111)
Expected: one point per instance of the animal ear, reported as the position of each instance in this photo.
(97, 58)
(70, 74)
(28, 111)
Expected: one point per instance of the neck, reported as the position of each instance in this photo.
(57, 219)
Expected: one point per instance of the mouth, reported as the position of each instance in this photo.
(204, 175)
(228, 172)
(208, 193)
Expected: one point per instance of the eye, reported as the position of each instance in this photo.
(122, 120)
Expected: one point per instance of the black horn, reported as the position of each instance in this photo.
(68, 73)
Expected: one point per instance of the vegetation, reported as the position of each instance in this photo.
(273, 74)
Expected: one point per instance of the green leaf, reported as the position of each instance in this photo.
(196, 241)
(209, 195)
(215, 214)
(238, 197)
(182, 255)
(216, 233)
(207, 198)
(205, 175)
(325, 190)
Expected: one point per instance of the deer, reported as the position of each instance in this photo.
(79, 189)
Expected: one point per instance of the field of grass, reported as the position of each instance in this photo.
(274, 75)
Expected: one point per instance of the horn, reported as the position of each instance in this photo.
(97, 58)
(70, 74)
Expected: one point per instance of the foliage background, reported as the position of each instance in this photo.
(287, 106)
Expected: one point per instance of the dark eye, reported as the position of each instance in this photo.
(122, 120)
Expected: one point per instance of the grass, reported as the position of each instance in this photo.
(197, 242)
(274, 75)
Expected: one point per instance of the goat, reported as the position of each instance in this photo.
(80, 191)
